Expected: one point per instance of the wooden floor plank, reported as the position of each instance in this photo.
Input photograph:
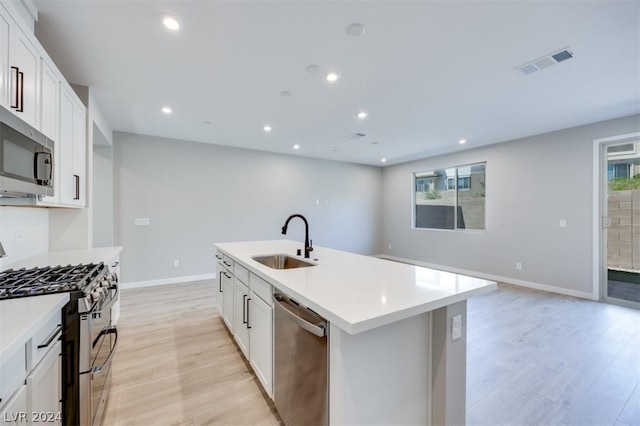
(533, 358)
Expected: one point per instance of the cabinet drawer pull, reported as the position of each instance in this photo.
(226, 275)
(51, 337)
(218, 257)
(115, 264)
(225, 262)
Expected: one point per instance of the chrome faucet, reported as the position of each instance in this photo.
(308, 244)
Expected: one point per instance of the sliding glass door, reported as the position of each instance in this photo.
(621, 222)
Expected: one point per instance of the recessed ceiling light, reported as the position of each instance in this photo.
(355, 29)
(384, 160)
(462, 141)
(362, 114)
(267, 128)
(333, 76)
(170, 22)
(166, 110)
(296, 146)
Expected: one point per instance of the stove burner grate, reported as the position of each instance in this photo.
(46, 280)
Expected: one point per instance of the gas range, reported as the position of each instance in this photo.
(80, 280)
(89, 339)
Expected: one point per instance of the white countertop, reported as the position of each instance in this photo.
(21, 317)
(355, 292)
(68, 257)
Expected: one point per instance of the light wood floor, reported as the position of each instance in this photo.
(533, 358)
(176, 363)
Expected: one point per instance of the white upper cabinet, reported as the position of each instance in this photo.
(50, 120)
(71, 148)
(5, 29)
(24, 77)
(33, 88)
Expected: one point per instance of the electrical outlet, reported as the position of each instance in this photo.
(176, 263)
(456, 327)
(563, 223)
(519, 266)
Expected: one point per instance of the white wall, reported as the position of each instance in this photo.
(196, 194)
(24, 232)
(531, 184)
(102, 196)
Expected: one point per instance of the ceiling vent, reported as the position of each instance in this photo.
(545, 61)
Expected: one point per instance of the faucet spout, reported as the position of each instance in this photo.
(307, 245)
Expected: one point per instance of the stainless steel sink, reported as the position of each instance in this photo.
(282, 261)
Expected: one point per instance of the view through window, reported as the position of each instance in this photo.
(451, 198)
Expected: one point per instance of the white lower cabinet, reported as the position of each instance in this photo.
(227, 299)
(241, 329)
(32, 378)
(260, 320)
(44, 389)
(244, 302)
(15, 411)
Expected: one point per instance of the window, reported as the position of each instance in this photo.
(451, 198)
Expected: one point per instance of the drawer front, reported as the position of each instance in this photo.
(13, 371)
(228, 263)
(44, 338)
(261, 288)
(241, 273)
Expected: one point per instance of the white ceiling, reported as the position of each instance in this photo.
(427, 72)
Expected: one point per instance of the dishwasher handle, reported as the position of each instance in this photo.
(317, 330)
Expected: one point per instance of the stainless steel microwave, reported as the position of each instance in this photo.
(26, 159)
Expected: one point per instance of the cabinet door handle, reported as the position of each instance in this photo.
(220, 283)
(248, 299)
(115, 264)
(55, 333)
(244, 308)
(21, 98)
(77, 180)
(14, 77)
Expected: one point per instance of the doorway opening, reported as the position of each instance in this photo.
(619, 213)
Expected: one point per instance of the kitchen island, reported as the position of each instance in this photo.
(395, 356)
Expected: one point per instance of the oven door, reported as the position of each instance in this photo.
(98, 342)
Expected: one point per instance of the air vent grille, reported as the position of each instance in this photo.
(545, 61)
(562, 56)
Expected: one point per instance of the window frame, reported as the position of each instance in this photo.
(414, 176)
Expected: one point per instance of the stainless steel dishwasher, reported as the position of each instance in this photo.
(301, 379)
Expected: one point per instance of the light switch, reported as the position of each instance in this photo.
(563, 223)
(141, 221)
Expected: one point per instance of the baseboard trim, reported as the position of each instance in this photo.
(166, 281)
(522, 283)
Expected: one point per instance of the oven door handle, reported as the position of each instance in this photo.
(111, 302)
(98, 370)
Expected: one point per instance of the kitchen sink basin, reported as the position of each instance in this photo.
(282, 261)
